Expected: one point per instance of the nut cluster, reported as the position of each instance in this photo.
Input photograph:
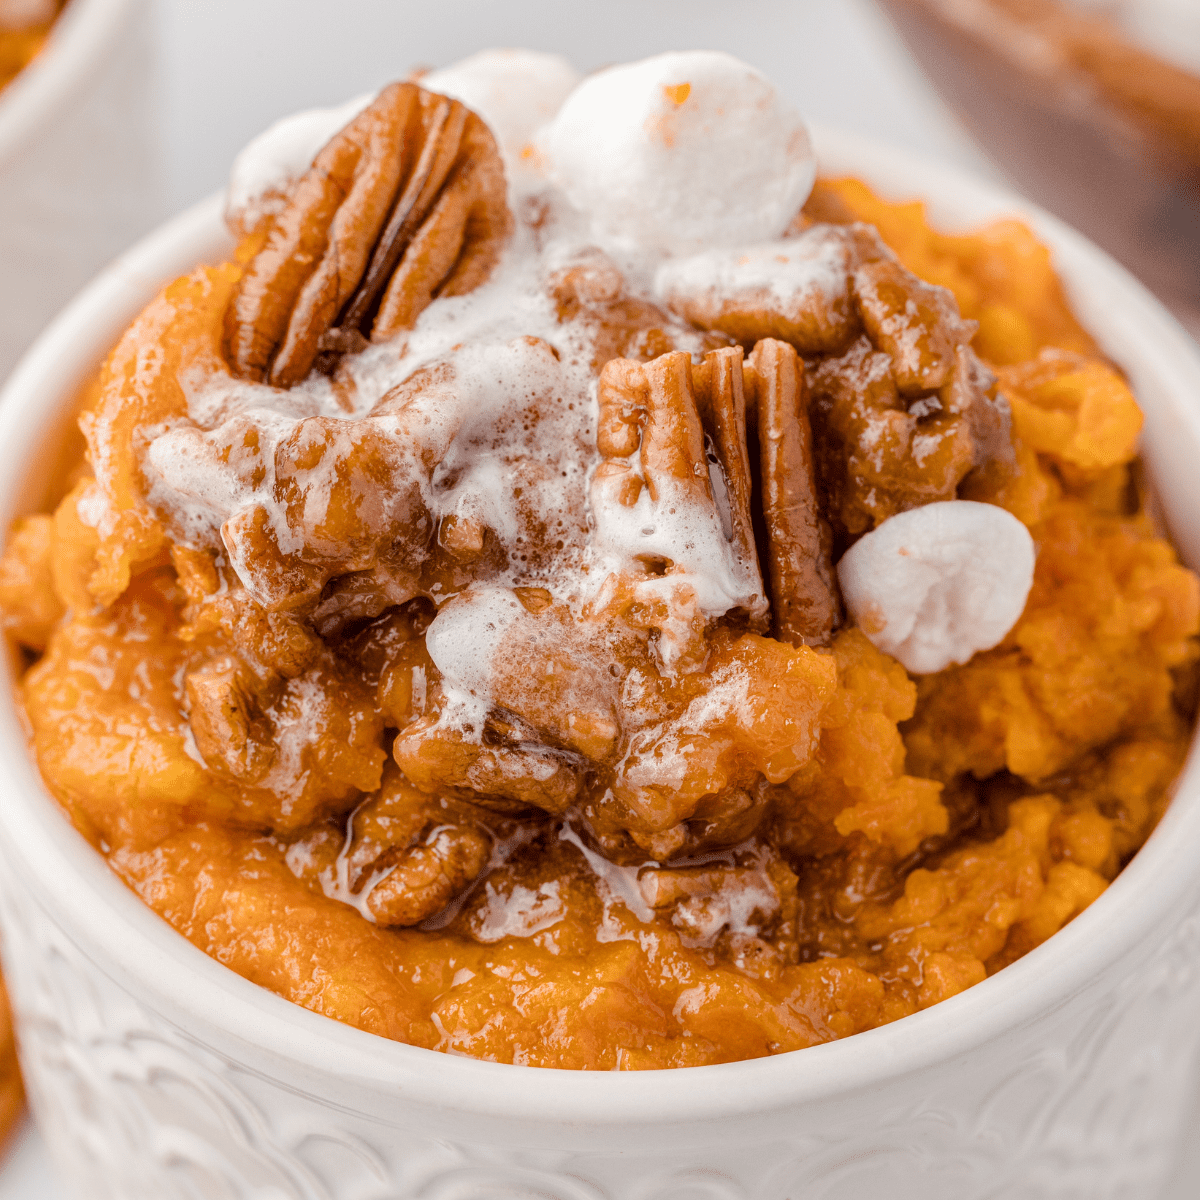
(406, 203)
(749, 417)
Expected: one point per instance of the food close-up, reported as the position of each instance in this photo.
(612, 620)
(578, 617)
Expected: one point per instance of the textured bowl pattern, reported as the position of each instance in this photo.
(1077, 1103)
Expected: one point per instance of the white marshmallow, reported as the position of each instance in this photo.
(934, 585)
(515, 91)
(680, 153)
(269, 164)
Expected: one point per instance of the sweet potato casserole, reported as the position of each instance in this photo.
(568, 589)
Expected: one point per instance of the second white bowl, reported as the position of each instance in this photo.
(78, 173)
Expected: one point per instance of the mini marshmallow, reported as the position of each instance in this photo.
(680, 153)
(269, 164)
(934, 585)
(515, 91)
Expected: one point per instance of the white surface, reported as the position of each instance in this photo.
(230, 67)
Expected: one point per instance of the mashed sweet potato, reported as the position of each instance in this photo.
(851, 845)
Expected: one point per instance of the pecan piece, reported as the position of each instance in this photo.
(721, 400)
(692, 426)
(797, 290)
(509, 770)
(292, 749)
(673, 438)
(705, 900)
(901, 408)
(654, 440)
(591, 289)
(623, 396)
(426, 877)
(404, 204)
(228, 719)
(403, 855)
(652, 407)
(804, 597)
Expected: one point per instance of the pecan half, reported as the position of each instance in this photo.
(651, 407)
(405, 204)
(901, 408)
(673, 438)
(402, 855)
(678, 431)
(804, 597)
(721, 400)
(693, 425)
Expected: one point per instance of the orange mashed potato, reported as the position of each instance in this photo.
(892, 840)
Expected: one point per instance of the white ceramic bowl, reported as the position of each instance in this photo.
(157, 1073)
(77, 174)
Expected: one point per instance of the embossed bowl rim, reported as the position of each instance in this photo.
(83, 38)
(131, 944)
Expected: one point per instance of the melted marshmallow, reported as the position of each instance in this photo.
(691, 538)
(515, 91)
(512, 433)
(660, 156)
(681, 152)
(466, 634)
(269, 164)
(518, 911)
(786, 273)
(934, 585)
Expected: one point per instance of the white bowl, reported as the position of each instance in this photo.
(77, 174)
(155, 1072)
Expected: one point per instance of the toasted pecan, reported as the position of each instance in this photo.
(678, 414)
(673, 438)
(426, 877)
(406, 203)
(902, 410)
(720, 398)
(804, 598)
(402, 855)
(623, 397)
(651, 407)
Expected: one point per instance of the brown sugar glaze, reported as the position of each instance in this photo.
(623, 832)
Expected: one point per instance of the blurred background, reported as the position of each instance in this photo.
(1091, 107)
